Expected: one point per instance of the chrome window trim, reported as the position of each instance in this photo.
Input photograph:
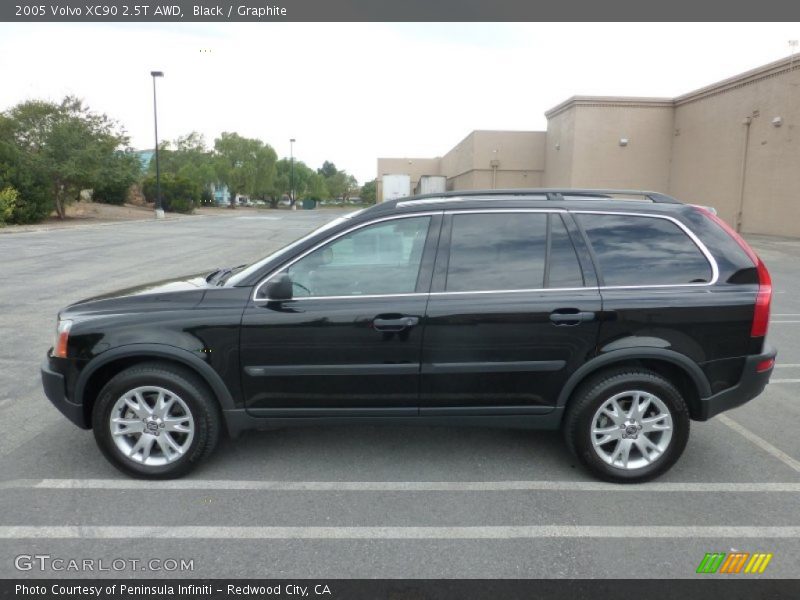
(700, 245)
(712, 262)
(332, 239)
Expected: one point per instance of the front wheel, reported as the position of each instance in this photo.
(627, 426)
(155, 421)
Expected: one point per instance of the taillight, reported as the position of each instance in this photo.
(62, 337)
(763, 300)
(764, 297)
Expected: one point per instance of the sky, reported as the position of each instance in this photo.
(350, 93)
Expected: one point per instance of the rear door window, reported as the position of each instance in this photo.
(640, 250)
(510, 251)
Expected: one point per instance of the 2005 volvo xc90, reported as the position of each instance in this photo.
(616, 321)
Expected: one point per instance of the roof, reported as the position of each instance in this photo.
(525, 197)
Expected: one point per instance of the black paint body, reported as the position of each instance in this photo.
(493, 357)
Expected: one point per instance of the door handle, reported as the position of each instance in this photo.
(394, 324)
(571, 318)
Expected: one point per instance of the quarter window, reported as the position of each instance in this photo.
(378, 259)
(639, 250)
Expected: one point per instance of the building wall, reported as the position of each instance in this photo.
(458, 161)
(560, 147)
(599, 159)
(692, 147)
(519, 156)
(709, 149)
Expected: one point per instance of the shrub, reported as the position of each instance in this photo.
(8, 202)
(178, 194)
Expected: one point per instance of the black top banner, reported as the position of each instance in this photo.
(396, 10)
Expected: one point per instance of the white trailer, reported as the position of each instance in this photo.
(431, 184)
(395, 186)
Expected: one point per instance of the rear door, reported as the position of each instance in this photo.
(511, 315)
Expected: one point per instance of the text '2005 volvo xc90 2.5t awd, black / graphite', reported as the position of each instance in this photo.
(615, 316)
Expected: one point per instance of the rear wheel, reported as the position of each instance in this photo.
(155, 421)
(627, 426)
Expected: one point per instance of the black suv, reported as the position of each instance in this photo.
(616, 316)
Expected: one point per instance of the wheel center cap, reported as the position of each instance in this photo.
(631, 429)
(152, 426)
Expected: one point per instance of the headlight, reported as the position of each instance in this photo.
(62, 336)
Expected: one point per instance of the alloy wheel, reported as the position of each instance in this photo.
(152, 426)
(631, 429)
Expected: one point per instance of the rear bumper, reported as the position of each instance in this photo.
(56, 392)
(750, 385)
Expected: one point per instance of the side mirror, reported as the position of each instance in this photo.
(280, 288)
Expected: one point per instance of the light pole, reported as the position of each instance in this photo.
(159, 209)
(291, 172)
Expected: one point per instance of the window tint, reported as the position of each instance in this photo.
(377, 259)
(497, 252)
(564, 270)
(644, 251)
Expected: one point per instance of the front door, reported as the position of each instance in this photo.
(349, 341)
(511, 314)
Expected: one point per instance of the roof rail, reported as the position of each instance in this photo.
(555, 194)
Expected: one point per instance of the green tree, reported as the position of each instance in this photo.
(340, 184)
(265, 171)
(245, 165)
(17, 170)
(67, 144)
(307, 183)
(368, 192)
(120, 172)
(327, 170)
(188, 157)
(317, 188)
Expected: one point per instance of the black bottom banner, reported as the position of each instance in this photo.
(399, 589)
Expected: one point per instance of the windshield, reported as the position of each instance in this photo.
(256, 266)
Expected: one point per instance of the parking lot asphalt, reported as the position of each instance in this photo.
(368, 501)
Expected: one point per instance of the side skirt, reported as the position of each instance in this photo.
(240, 420)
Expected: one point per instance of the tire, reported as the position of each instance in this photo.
(654, 438)
(165, 421)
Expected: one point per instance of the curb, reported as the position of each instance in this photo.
(12, 229)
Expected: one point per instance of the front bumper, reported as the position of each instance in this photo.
(750, 385)
(56, 391)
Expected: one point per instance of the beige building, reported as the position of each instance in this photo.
(734, 145)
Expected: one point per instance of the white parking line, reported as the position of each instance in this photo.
(787, 366)
(394, 533)
(784, 380)
(771, 322)
(393, 486)
(761, 443)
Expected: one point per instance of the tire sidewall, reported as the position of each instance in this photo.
(133, 378)
(615, 385)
